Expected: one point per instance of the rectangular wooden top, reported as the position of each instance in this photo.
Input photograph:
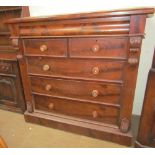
(101, 14)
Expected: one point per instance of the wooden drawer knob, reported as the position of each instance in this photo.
(19, 56)
(51, 106)
(133, 61)
(43, 48)
(46, 67)
(95, 93)
(95, 70)
(48, 87)
(95, 48)
(95, 114)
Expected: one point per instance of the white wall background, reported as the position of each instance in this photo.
(56, 7)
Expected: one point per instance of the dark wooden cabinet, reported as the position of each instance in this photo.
(11, 90)
(79, 71)
(146, 133)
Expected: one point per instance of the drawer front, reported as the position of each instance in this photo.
(77, 109)
(92, 91)
(46, 47)
(6, 67)
(90, 69)
(98, 47)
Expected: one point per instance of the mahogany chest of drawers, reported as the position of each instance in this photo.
(79, 71)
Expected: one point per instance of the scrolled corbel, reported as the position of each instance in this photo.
(135, 44)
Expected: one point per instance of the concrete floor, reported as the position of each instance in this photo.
(19, 134)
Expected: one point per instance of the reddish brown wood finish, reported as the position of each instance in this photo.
(11, 90)
(79, 71)
(106, 93)
(85, 110)
(98, 47)
(122, 14)
(101, 70)
(137, 24)
(80, 126)
(46, 47)
(146, 133)
(25, 11)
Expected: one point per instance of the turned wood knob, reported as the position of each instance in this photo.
(48, 87)
(95, 93)
(51, 106)
(95, 114)
(95, 70)
(19, 56)
(43, 48)
(133, 61)
(46, 67)
(95, 48)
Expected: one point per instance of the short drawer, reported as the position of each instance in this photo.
(76, 68)
(84, 110)
(98, 47)
(92, 91)
(46, 47)
(7, 67)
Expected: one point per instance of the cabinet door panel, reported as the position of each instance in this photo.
(8, 91)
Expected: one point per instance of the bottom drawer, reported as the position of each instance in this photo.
(85, 110)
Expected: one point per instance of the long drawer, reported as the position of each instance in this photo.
(46, 47)
(91, 91)
(84, 110)
(76, 68)
(98, 47)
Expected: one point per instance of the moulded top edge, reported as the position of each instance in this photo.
(99, 14)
